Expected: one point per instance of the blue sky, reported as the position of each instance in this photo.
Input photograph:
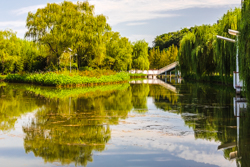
(135, 19)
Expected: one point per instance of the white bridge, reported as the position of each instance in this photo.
(154, 73)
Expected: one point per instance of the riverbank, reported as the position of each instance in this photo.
(67, 79)
(75, 78)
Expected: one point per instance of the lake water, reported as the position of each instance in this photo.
(190, 124)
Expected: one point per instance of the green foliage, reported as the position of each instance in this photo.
(54, 79)
(201, 54)
(9, 50)
(196, 54)
(55, 29)
(58, 26)
(20, 55)
(172, 38)
(93, 44)
(244, 44)
(140, 55)
(118, 52)
(159, 59)
(226, 51)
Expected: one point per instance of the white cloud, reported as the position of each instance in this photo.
(134, 10)
(28, 9)
(120, 11)
(136, 23)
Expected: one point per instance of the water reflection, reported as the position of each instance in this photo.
(209, 111)
(242, 154)
(70, 124)
(70, 129)
(13, 104)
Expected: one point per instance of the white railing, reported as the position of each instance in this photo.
(156, 72)
(168, 67)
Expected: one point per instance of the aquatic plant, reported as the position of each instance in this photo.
(56, 79)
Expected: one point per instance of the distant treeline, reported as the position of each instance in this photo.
(165, 48)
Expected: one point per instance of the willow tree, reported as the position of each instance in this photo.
(140, 55)
(196, 53)
(68, 25)
(244, 43)
(226, 51)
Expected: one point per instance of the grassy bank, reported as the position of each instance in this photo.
(210, 79)
(68, 79)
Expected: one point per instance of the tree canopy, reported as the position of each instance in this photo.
(140, 55)
(74, 25)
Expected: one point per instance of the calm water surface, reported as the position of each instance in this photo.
(190, 124)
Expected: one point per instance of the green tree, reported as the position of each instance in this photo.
(140, 55)
(159, 59)
(244, 43)
(68, 25)
(9, 49)
(172, 38)
(226, 51)
(118, 52)
(196, 53)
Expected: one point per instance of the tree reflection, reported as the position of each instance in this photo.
(208, 110)
(72, 123)
(70, 129)
(163, 98)
(242, 154)
(139, 98)
(13, 104)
